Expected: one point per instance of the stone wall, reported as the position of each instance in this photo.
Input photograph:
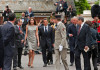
(37, 5)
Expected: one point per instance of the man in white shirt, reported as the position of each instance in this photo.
(46, 41)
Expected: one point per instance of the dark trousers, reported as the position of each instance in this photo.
(49, 57)
(19, 56)
(1, 57)
(44, 53)
(93, 52)
(72, 53)
(7, 62)
(17, 59)
(72, 57)
(98, 60)
(78, 60)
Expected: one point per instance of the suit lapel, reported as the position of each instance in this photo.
(48, 29)
(81, 29)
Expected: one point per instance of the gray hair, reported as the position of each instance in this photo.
(81, 18)
(74, 17)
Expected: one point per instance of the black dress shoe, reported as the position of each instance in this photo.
(15, 68)
(21, 67)
(95, 68)
(45, 65)
(71, 64)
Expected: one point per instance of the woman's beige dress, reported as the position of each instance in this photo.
(31, 37)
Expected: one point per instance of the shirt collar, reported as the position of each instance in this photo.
(11, 23)
(17, 26)
(46, 26)
(82, 24)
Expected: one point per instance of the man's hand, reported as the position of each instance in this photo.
(38, 44)
(22, 41)
(0, 68)
(53, 45)
(21, 32)
(70, 35)
(86, 48)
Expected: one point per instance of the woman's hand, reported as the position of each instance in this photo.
(24, 42)
(38, 44)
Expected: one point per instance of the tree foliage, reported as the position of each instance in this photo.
(82, 5)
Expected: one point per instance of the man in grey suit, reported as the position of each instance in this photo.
(8, 34)
(19, 44)
(60, 43)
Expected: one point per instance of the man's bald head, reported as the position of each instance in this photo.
(30, 9)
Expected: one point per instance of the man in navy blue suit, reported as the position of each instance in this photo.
(8, 34)
(72, 33)
(1, 50)
(83, 44)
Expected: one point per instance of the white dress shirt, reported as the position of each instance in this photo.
(46, 28)
(82, 25)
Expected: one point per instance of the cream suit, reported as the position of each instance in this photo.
(60, 39)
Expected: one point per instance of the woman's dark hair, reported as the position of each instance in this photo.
(30, 20)
(89, 23)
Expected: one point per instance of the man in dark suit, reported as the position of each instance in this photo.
(1, 50)
(83, 44)
(72, 33)
(8, 34)
(19, 44)
(29, 13)
(46, 40)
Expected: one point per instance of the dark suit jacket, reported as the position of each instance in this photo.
(72, 30)
(8, 34)
(24, 24)
(18, 38)
(84, 37)
(31, 15)
(46, 39)
(1, 49)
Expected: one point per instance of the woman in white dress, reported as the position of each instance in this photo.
(33, 39)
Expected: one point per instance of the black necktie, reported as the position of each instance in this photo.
(45, 29)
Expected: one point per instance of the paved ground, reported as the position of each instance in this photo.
(38, 64)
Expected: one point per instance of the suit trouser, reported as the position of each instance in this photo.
(7, 62)
(98, 61)
(72, 57)
(1, 57)
(17, 60)
(44, 55)
(50, 56)
(78, 60)
(15, 63)
(72, 54)
(63, 55)
(93, 52)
